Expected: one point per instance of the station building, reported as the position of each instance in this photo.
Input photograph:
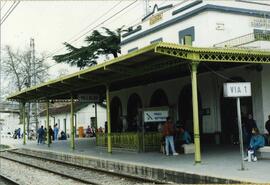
(218, 24)
(175, 63)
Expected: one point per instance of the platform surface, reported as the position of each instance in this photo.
(217, 161)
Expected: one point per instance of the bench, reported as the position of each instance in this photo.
(188, 148)
(264, 152)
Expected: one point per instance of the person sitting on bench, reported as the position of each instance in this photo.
(257, 141)
(186, 139)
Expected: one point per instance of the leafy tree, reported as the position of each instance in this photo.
(81, 57)
(97, 44)
(105, 44)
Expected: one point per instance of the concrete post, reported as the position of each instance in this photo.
(108, 119)
(48, 123)
(194, 66)
(72, 133)
(24, 132)
(96, 115)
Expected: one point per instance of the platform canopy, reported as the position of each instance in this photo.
(156, 62)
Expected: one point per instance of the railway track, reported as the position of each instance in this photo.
(86, 175)
(5, 180)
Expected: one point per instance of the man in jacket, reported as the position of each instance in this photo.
(168, 132)
(41, 133)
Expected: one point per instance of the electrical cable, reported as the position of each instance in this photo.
(18, 2)
(106, 20)
(97, 19)
(93, 22)
(3, 5)
(131, 24)
(85, 34)
(123, 13)
(54, 52)
(8, 10)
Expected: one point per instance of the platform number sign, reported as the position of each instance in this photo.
(237, 89)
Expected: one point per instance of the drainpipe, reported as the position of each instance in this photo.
(24, 131)
(108, 119)
(72, 139)
(48, 122)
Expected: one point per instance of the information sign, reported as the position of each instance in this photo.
(88, 98)
(155, 115)
(241, 89)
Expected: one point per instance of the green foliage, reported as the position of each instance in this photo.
(97, 44)
(81, 57)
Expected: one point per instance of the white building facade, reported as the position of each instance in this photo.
(206, 24)
(84, 117)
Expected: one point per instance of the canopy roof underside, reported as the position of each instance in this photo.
(156, 62)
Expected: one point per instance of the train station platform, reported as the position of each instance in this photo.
(220, 164)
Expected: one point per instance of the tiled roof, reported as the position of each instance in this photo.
(64, 109)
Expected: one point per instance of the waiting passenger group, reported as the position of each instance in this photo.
(173, 135)
(53, 134)
(253, 139)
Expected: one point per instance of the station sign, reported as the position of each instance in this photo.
(155, 18)
(89, 98)
(155, 115)
(239, 89)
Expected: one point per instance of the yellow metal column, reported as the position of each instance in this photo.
(48, 123)
(23, 112)
(108, 119)
(72, 133)
(194, 66)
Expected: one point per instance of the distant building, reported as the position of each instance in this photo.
(84, 116)
(10, 119)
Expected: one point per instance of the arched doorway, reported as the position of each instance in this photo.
(185, 111)
(133, 106)
(159, 99)
(228, 114)
(116, 113)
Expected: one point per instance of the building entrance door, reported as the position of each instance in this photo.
(228, 112)
(185, 112)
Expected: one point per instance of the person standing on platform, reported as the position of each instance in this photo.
(55, 131)
(41, 133)
(19, 133)
(168, 133)
(45, 135)
(50, 134)
(250, 124)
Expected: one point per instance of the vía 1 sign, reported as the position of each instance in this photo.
(155, 115)
(241, 89)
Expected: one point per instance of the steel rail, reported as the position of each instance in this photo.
(90, 168)
(8, 179)
(51, 171)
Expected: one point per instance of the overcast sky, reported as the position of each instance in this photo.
(51, 23)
